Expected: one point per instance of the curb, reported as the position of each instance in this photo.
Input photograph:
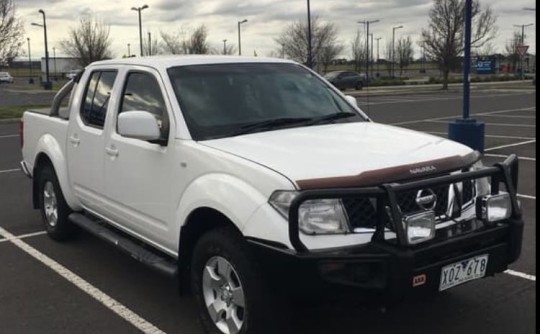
(9, 120)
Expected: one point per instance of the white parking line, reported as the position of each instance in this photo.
(457, 116)
(511, 116)
(510, 145)
(522, 275)
(10, 170)
(505, 156)
(526, 196)
(24, 236)
(8, 136)
(113, 305)
(487, 136)
(493, 124)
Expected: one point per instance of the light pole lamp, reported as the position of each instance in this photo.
(393, 46)
(239, 39)
(139, 9)
(31, 80)
(367, 23)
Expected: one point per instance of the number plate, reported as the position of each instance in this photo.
(463, 271)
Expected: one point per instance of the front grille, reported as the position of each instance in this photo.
(362, 212)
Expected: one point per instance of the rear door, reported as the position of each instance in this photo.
(86, 140)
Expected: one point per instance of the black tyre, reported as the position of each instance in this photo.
(53, 207)
(229, 288)
(359, 86)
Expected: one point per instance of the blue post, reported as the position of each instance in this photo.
(467, 130)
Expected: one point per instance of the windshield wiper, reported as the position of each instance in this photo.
(270, 124)
(331, 117)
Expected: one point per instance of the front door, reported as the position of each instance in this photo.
(137, 172)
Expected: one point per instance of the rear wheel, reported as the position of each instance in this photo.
(228, 286)
(53, 207)
(359, 85)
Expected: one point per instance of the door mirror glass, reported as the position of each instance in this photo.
(138, 124)
(351, 100)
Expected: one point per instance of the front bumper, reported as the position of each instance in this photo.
(393, 268)
(381, 269)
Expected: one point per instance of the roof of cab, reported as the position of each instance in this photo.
(183, 60)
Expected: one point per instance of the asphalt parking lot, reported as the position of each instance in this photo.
(86, 286)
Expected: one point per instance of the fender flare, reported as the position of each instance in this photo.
(49, 147)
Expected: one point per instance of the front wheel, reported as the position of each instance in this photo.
(53, 207)
(228, 286)
(359, 86)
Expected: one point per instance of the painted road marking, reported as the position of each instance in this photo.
(494, 124)
(24, 236)
(511, 145)
(526, 196)
(456, 116)
(113, 305)
(505, 156)
(522, 275)
(10, 170)
(487, 136)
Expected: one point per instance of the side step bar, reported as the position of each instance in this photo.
(139, 253)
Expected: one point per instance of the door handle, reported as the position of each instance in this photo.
(112, 151)
(74, 140)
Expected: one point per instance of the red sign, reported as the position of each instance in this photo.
(522, 49)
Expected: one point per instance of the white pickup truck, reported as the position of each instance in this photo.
(254, 178)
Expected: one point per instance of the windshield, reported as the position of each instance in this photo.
(222, 100)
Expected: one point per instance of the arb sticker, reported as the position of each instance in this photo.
(419, 280)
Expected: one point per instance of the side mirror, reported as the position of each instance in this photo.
(138, 124)
(351, 100)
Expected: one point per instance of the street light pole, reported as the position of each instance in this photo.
(47, 85)
(367, 47)
(224, 46)
(129, 50)
(139, 9)
(378, 39)
(149, 43)
(393, 46)
(371, 54)
(31, 80)
(54, 57)
(239, 39)
(309, 52)
(522, 43)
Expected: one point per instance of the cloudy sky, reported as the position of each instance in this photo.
(266, 19)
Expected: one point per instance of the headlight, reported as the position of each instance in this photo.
(321, 216)
(419, 227)
(492, 208)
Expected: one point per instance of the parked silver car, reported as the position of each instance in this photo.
(346, 79)
(6, 77)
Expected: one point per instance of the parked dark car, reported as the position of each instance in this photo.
(346, 79)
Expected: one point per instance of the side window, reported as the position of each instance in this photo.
(142, 93)
(96, 100)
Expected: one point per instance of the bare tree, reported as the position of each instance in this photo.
(511, 49)
(405, 53)
(358, 51)
(151, 45)
(294, 40)
(328, 54)
(11, 31)
(444, 37)
(88, 42)
(174, 43)
(197, 43)
(388, 52)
